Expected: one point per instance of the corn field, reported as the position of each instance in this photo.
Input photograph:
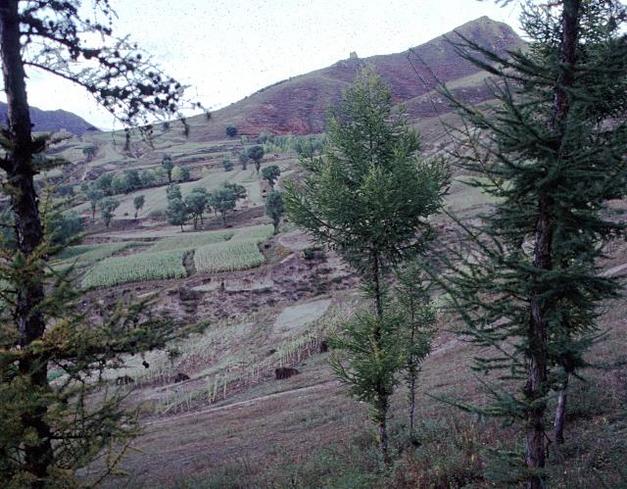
(191, 241)
(136, 268)
(229, 256)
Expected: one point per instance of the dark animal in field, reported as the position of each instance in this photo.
(284, 373)
(181, 377)
(324, 346)
(145, 364)
(124, 380)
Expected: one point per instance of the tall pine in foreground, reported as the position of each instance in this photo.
(369, 198)
(553, 151)
(49, 428)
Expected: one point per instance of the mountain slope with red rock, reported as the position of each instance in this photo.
(299, 105)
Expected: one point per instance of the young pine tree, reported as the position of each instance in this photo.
(413, 297)
(553, 151)
(369, 198)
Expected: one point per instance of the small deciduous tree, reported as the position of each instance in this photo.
(176, 212)
(138, 203)
(64, 227)
(105, 183)
(369, 197)
(148, 178)
(133, 180)
(108, 205)
(275, 208)
(167, 164)
(89, 152)
(243, 160)
(196, 202)
(255, 153)
(173, 191)
(94, 194)
(231, 131)
(271, 174)
(223, 201)
(119, 184)
(238, 190)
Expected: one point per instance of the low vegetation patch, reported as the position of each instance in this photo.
(255, 233)
(136, 268)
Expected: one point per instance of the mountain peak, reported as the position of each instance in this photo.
(486, 29)
(53, 120)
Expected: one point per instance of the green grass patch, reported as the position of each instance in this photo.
(136, 268)
(255, 233)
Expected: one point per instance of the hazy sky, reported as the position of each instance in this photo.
(227, 49)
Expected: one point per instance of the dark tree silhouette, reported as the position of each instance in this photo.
(77, 44)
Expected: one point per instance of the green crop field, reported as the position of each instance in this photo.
(239, 253)
(229, 256)
(136, 268)
(85, 255)
(190, 241)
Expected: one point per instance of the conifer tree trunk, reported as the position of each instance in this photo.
(560, 413)
(412, 374)
(535, 388)
(382, 403)
(28, 230)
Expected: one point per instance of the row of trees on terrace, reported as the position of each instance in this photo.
(223, 201)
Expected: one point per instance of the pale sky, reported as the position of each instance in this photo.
(227, 49)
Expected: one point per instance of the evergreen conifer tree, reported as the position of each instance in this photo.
(553, 151)
(369, 198)
(413, 297)
(49, 429)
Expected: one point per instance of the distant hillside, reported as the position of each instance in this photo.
(53, 120)
(299, 105)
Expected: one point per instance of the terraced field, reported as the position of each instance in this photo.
(86, 255)
(214, 251)
(239, 253)
(192, 241)
(136, 268)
